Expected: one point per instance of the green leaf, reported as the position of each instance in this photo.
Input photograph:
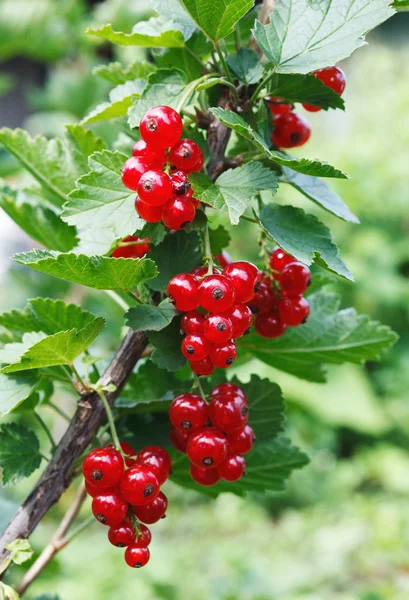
(319, 192)
(19, 453)
(234, 189)
(165, 87)
(178, 253)
(59, 349)
(400, 4)
(219, 239)
(38, 222)
(302, 165)
(146, 317)
(174, 11)
(120, 101)
(305, 89)
(20, 550)
(246, 66)
(99, 272)
(7, 593)
(330, 32)
(101, 206)
(116, 73)
(330, 336)
(156, 232)
(217, 18)
(268, 465)
(14, 389)
(158, 39)
(150, 384)
(303, 236)
(167, 354)
(81, 144)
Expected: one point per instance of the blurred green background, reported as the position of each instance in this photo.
(341, 530)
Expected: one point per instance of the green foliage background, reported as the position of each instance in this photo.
(341, 530)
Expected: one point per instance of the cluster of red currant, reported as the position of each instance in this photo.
(158, 168)
(214, 436)
(279, 302)
(209, 336)
(125, 487)
(291, 129)
(131, 247)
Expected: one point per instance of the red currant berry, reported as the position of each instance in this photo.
(132, 172)
(130, 452)
(270, 325)
(178, 213)
(202, 367)
(278, 106)
(188, 412)
(223, 259)
(332, 77)
(229, 412)
(218, 329)
(279, 259)
(183, 292)
(216, 293)
(185, 155)
(263, 300)
(245, 277)
(223, 355)
(232, 468)
(154, 188)
(290, 130)
(151, 214)
(241, 319)
(137, 556)
(131, 251)
(103, 467)
(181, 184)
(139, 485)
(207, 447)
(179, 438)
(293, 311)
(203, 476)
(122, 535)
(294, 279)
(152, 512)
(144, 537)
(227, 388)
(195, 347)
(311, 108)
(241, 441)
(155, 160)
(157, 459)
(161, 127)
(192, 322)
(109, 508)
(94, 491)
(201, 272)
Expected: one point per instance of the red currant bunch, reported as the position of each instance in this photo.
(158, 169)
(131, 247)
(216, 312)
(279, 301)
(214, 433)
(332, 77)
(125, 487)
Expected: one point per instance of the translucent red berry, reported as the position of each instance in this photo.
(332, 77)
(109, 508)
(181, 184)
(270, 325)
(202, 367)
(103, 467)
(133, 250)
(241, 441)
(290, 130)
(183, 292)
(202, 271)
(130, 453)
(157, 459)
(241, 319)
(229, 412)
(216, 293)
(132, 171)
(245, 277)
(155, 160)
(263, 300)
(294, 310)
(95, 491)
(137, 556)
(227, 388)
(192, 322)
(223, 259)
(207, 447)
(232, 468)
(178, 213)
(188, 412)
(122, 535)
(144, 536)
(278, 260)
(278, 106)
(179, 438)
(139, 485)
(153, 511)
(161, 127)
(223, 355)
(217, 329)
(294, 279)
(203, 476)
(195, 346)
(185, 155)
(154, 188)
(151, 214)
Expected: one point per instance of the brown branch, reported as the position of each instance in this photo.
(57, 542)
(218, 136)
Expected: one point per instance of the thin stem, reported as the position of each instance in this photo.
(46, 430)
(117, 298)
(78, 376)
(262, 84)
(134, 297)
(208, 250)
(59, 411)
(226, 69)
(93, 366)
(190, 89)
(111, 422)
(198, 385)
(237, 36)
(250, 219)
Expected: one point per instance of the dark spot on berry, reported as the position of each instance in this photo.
(190, 349)
(217, 293)
(309, 282)
(171, 299)
(304, 321)
(247, 331)
(148, 490)
(295, 136)
(100, 517)
(221, 326)
(186, 424)
(244, 411)
(254, 309)
(185, 153)
(182, 331)
(208, 461)
(245, 473)
(254, 438)
(119, 545)
(182, 188)
(164, 517)
(257, 286)
(148, 185)
(230, 360)
(152, 125)
(185, 224)
(97, 475)
(138, 565)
